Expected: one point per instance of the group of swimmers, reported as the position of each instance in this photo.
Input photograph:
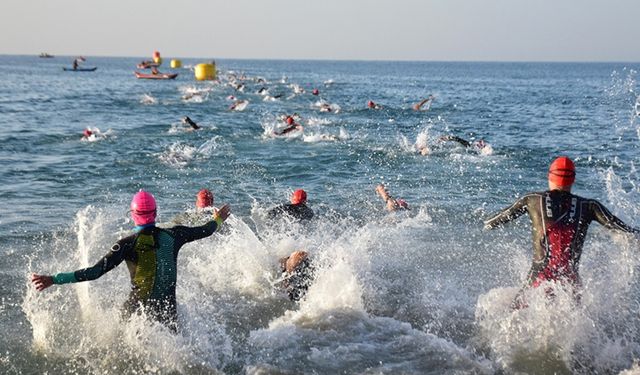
(559, 220)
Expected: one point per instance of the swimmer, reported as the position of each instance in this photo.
(478, 145)
(427, 101)
(291, 126)
(325, 107)
(86, 134)
(204, 209)
(239, 105)
(151, 257)
(187, 120)
(559, 222)
(315, 92)
(297, 209)
(392, 204)
(297, 272)
(372, 105)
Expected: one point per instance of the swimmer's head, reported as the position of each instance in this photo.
(315, 92)
(87, 133)
(481, 144)
(289, 120)
(562, 172)
(371, 104)
(143, 208)
(295, 260)
(204, 198)
(299, 196)
(401, 203)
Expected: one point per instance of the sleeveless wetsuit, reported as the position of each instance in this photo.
(559, 223)
(151, 257)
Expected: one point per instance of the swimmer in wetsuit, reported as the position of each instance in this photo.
(292, 125)
(298, 274)
(151, 256)
(559, 222)
(297, 209)
(190, 122)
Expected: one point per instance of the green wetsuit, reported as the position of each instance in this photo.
(151, 256)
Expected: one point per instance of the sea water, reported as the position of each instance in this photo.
(425, 291)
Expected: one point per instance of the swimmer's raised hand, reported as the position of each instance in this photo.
(41, 282)
(222, 213)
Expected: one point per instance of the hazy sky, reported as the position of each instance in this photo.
(476, 30)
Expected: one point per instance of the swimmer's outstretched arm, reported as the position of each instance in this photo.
(603, 216)
(115, 256)
(508, 214)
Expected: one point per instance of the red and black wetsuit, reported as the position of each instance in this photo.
(559, 223)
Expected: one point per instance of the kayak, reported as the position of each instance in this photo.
(80, 69)
(155, 76)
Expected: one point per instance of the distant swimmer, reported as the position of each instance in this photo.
(239, 105)
(392, 204)
(315, 92)
(297, 209)
(427, 102)
(292, 125)
(297, 273)
(478, 145)
(190, 122)
(151, 257)
(559, 222)
(86, 133)
(326, 107)
(372, 105)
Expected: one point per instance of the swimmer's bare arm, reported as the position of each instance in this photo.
(390, 202)
(508, 214)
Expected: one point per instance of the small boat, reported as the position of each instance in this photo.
(80, 69)
(155, 76)
(45, 55)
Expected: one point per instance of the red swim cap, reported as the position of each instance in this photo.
(402, 203)
(143, 208)
(204, 199)
(315, 92)
(299, 196)
(87, 133)
(562, 172)
(371, 104)
(289, 120)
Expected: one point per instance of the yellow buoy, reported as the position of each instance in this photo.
(205, 72)
(157, 60)
(176, 63)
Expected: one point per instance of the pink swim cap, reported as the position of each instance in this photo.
(143, 208)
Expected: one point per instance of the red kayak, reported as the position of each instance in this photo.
(155, 76)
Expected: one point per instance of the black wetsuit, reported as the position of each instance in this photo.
(297, 211)
(559, 225)
(151, 256)
(297, 282)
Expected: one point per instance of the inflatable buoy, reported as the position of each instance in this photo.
(176, 63)
(157, 60)
(205, 72)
